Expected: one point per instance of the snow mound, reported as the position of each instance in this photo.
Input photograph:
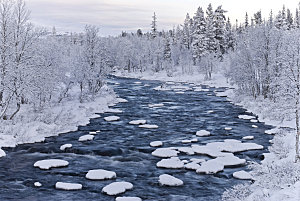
(254, 126)
(50, 163)
(100, 174)
(93, 132)
(111, 118)
(37, 184)
(210, 167)
(207, 150)
(156, 144)
(230, 161)
(228, 128)
(148, 126)
(128, 199)
(110, 110)
(210, 111)
(242, 175)
(248, 138)
(203, 133)
(272, 131)
(246, 117)
(173, 163)
(137, 122)
(253, 120)
(197, 160)
(122, 100)
(86, 138)
(65, 146)
(2, 153)
(116, 188)
(186, 150)
(192, 166)
(186, 141)
(68, 186)
(155, 105)
(168, 180)
(164, 152)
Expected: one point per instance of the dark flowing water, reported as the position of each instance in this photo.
(125, 149)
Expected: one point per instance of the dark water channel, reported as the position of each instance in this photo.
(125, 149)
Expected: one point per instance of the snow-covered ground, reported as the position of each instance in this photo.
(30, 126)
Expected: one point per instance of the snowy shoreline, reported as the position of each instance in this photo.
(282, 143)
(31, 127)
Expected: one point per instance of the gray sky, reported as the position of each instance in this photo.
(114, 16)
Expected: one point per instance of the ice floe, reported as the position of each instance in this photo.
(186, 150)
(168, 180)
(122, 100)
(228, 128)
(86, 138)
(111, 118)
(253, 120)
(165, 152)
(2, 153)
(172, 163)
(210, 111)
(156, 144)
(210, 167)
(137, 82)
(242, 175)
(254, 126)
(93, 133)
(37, 184)
(116, 188)
(100, 174)
(111, 110)
(68, 186)
(137, 122)
(192, 166)
(155, 105)
(272, 131)
(248, 138)
(50, 163)
(203, 133)
(246, 117)
(148, 126)
(65, 146)
(230, 161)
(128, 199)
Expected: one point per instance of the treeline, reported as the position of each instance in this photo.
(41, 69)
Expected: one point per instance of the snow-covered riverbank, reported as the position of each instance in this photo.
(30, 126)
(280, 161)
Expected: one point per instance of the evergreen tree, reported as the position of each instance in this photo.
(186, 39)
(154, 26)
(219, 22)
(289, 20)
(246, 21)
(211, 30)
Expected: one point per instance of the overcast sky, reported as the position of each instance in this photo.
(114, 16)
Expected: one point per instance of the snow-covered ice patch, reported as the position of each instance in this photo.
(37, 184)
(156, 144)
(210, 111)
(137, 82)
(168, 180)
(111, 118)
(253, 120)
(68, 186)
(192, 166)
(86, 138)
(186, 150)
(248, 137)
(242, 175)
(173, 163)
(128, 199)
(230, 161)
(116, 188)
(228, 128)
(137, 122)
(246, 117)
(203, 133)
(50, 163)
(155, 105)
(65, 146)
(112, 110)
(165, 152)
(254, 126)
(272, 131)
(100, 174)
(122, 100)
(179, 92)
(2, 153)
(93, 133)
(210, 167)
(148, 126)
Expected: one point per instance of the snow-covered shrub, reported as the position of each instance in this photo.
(237, 193)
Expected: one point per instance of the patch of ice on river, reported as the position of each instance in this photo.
(156, 144)
(148, 126)
(170, 83)
(253, 120)
(248, 137)
(2, 153)
(210, 151)
(254, 126)
(100, 174)
(186, 150)
(197, 160)
(122, 100)
(230, 161)
(86, 138)
(137, 122)
(172, 163)
(168, 180)
(93, 133)
(155, 105)
(116, 188)
(179, 92)
(228, 128)
(210, 167)
(65, 146)
(50, 163)
(68, 186)
(137, 82)
(210, 111)
(272, 131)
(242, 175)
(37, 184)
(111, 118)
(111, 110)
(246, 117)
(192, 166)
(203, 133)
(165, 152)
(128, 199)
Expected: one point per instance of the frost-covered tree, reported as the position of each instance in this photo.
(154, 26)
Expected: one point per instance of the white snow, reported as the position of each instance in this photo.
(116, 188)
(173, 163)
(165, 152)
(210, 167)
(230, 160)
(2, 153)
(155, 105)
(37, 184)
(248, 137)
(246, 117)
(192, 166)
(128, 199)
(272, 131)
(242, 175)
(228, 128)
(112, 110)
(150, 126)
(68, 186)
(186, 150)
(50, 163)
(65, 146)
(254, 126)
(137, 122)
(111, 118)
(168, 180)
(122, 100)
(203, 133)
(210, 111)
(86, 138)
(253, 120)
(156, 144)
(93, 133)
(100, 174)
(197, 160)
